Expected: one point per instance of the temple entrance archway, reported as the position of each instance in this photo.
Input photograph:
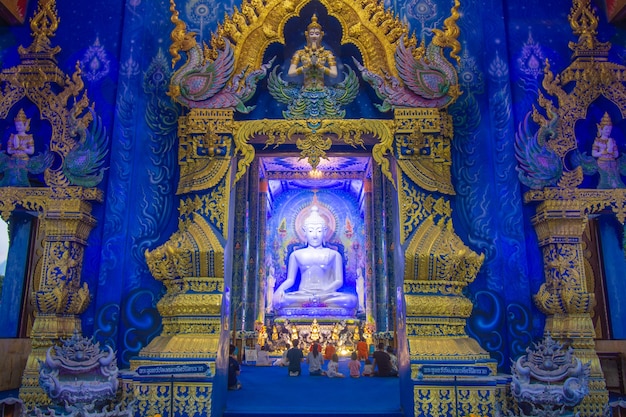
(351, 192)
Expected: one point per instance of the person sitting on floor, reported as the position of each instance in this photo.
(295, 358)
(329, 351)
(368, 368)
(382, 362)
(283, 361)
(362, 350)
(333, 368)
(263, 357)
(394, 360)
(355, 366)
(233, 369)
(315, 360)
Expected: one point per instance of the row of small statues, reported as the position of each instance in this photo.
(341, 335)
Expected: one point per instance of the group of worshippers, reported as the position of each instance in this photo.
(384, 362)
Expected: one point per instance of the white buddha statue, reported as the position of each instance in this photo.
(321, 272)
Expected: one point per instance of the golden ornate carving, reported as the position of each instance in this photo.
(213, 206)
(176, 325)
(193, 251)
(183, 398)
(432, 399)
(367, 25)
(312, 138)
(435, 252)
(442, 306)
(449, 36)
(435, 327)
(438, 266)
(580, 201)
(416, 206)
(204, 150)
(181, 39)
(190, 304)
(423, 139)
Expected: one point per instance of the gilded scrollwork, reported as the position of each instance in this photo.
(190, 304)
(312, 138)
(175, 325)
(435, 252)
(440, 306)
(213, 207)
(191, 251)
(564, 291)
(415, 206)
(422, 148)
(205, 148)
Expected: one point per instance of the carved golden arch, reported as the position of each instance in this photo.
(366, 24)
(606, 80)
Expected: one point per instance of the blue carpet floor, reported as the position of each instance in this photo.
(269, 391)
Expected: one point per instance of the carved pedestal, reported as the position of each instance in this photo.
(57, 294)
(564, 297)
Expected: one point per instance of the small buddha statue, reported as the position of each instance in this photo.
(315, 330)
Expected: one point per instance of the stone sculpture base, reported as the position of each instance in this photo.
(322, 314)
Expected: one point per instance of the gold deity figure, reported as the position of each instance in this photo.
(262, 336)
(314, 61)
(321, 272)
(315, 330)
(21, 144)
(605, 150)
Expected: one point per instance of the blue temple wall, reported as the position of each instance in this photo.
(123, 49)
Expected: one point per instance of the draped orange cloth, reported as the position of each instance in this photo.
(329, 351)
(361, 350)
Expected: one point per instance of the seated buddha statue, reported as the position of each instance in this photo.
(321, 272)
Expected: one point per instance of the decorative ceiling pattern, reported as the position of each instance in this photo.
(286, 173)
(332, 164)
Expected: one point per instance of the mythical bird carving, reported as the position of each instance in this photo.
(427, 79)
(84, 164)
(539, 166)
(314, 103)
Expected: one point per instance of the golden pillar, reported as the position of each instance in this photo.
(564, 297)
(57, 293)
